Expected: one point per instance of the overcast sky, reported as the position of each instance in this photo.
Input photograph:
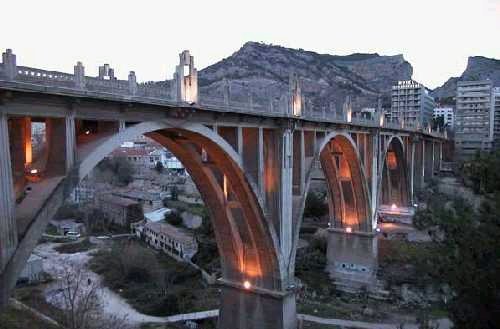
(435, 36)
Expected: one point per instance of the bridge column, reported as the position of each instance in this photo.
(8, 229)
(286, 195)
(353, 259)
(256, 309)
(412, 173)
(374, 177)
(422, 177)
(70, 132)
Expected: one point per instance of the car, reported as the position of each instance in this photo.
(73, 235)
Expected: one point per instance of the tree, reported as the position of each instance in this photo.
(466, 258)
(159, 167)
(80, 302)
(315, 206)
(438, 122)
(173, 218)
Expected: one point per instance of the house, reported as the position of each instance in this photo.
(68, 225)
(172, 240)
(33, 270)
(120, 211)
(149, 200)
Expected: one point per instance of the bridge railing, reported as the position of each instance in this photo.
(164, 91)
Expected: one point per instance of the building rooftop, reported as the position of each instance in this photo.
(138, 195)
(169, 230)
(116, 200)
(157, 215)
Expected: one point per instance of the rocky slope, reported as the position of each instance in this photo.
(478, 68)
(263, 71)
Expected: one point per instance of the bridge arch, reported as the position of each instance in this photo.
(246, 241)
(393, 178)
(348, 197)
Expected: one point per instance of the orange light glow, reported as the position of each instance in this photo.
(392, 163)
(394, 207)
(34, 171)
(87, 132)
(247, 285)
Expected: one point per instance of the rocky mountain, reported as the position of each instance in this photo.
(262, 71)
(478, 68)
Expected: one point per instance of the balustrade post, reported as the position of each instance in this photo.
(9, 64)
(79, 72)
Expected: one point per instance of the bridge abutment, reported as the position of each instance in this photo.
(256, 309)
(352, 259)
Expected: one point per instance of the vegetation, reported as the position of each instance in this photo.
(116, 170)
(69, 211)
(315, 206)
(173, 218)
(207, 256)
(482, 172)
(74, 247)
(153, 283)
(15, 318)
(159, 167)
(466, 256)
(181, 206)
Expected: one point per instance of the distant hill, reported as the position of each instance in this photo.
(478, 68)
(263, 70)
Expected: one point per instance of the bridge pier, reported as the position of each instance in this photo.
(256, 309)
(352, 259)
(8, 229)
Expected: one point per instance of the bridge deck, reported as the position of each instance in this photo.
(35, 199)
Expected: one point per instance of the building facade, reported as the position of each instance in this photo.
(496, 121)
(474, 118)
(448, 115)
(172, 240)
(120, 211)
(411, 103)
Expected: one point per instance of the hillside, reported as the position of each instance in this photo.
(263, 70)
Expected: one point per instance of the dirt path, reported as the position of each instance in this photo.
(113, 304)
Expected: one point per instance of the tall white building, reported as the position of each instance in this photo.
(447, 113)
(411, 103)
(496, 121)
(474, 118)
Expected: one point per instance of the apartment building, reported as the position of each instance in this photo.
(474, 118)
(448, 115)
(411, 103)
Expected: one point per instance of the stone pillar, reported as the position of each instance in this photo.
(433, 153)
(122, 126)
(352, 259)
(186, 79)
(247, 309)
(302, 163)
(422, 177)
(8, 229)
(17, 143)
(374, 177)
(132, 83)
(79, 72)
(412, 173)
(9, 64)
(70, 141)
(286, 200)
(240, 140)
(260, 176)
(57, 157)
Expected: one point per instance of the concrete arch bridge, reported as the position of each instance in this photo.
(252, 164)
